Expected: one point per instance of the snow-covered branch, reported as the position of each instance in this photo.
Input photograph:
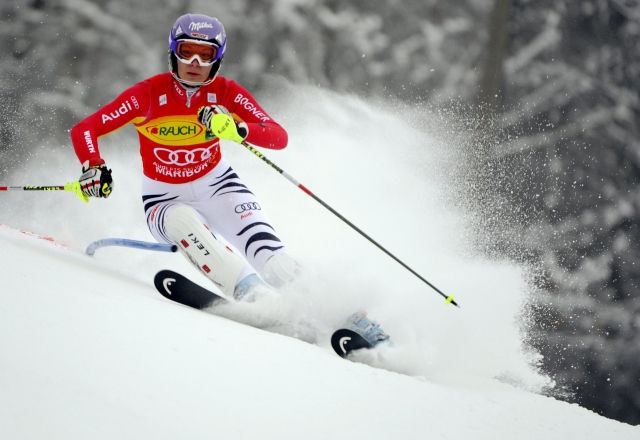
(631, 12)
(549, 36)
(142, 57)
(590, 121)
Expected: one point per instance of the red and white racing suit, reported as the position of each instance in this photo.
(182, 164)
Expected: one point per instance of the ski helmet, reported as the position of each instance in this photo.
(201, 30)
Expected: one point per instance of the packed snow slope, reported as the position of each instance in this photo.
(88, 349)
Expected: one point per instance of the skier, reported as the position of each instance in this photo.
(192, 197)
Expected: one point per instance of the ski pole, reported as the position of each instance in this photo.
(126, 242)
(73, 187)
(449, 298)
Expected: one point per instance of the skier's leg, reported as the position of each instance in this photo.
(172, 219)
(233, 210)
(219, 263)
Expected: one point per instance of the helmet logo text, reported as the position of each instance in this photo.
(196, 26)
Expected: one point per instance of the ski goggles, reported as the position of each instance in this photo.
(188, 50)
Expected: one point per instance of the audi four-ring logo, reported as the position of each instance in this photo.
(252, 206)
(182, 158)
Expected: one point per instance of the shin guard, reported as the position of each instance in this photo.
(217, 261)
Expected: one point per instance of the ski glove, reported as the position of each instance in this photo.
(96, 180)
(220, 123)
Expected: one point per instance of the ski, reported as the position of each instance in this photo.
(344, 341)
(181, 289)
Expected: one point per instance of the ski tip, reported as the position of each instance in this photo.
(344, 341)
(163, 282)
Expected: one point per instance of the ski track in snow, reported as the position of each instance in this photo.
(90, 350)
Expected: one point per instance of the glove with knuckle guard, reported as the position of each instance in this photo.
(219, 122)
(96, 180)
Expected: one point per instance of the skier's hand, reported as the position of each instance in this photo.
(218, 121)
(96, 180)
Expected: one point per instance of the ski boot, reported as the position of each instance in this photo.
(359, 332)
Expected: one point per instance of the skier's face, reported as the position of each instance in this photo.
(193, 72)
